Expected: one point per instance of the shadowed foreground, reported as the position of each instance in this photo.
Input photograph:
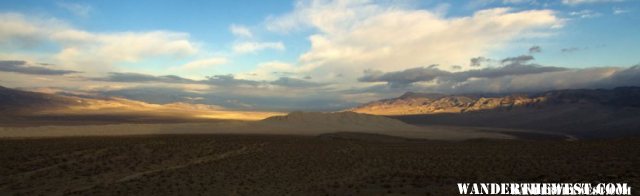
(343, 163)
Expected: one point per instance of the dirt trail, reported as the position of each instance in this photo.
(199, 160)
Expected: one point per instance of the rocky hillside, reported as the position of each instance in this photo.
(67, 107)
(419, 103)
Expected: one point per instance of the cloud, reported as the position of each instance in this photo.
(295, 83)
(513, 66)
(288, 93)
(108, 49)
(585, 14)
(285, 93)
(250, 47)
(141, 78)
(202, 63)
(264, 97)
(229, 80)
(240, 31)
(569, 50)
(535, 49)
(350, 36)
(618, 11)
(400, 46)
(514, 69)
(518, 79)
(569, 79)
(529, 83)
(405, 77)
(478, 61)
(221, 81)
(24, 68)
(578, 2)
(517, 60)
(16, 31)
(273, 70)
(286, 82)
(218, 80)
(90, 51)
(77, 9)
(519, 1)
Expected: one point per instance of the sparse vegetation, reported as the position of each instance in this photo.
(275, 165)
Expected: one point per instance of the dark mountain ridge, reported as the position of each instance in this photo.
(25, 108)
(586, 113)
(412, 103)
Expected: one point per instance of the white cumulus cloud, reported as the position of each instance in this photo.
(84, 50)
(578, 2)
(352, 36)
(249, 47)
(240, 31)
(77, 9)
(202, 63)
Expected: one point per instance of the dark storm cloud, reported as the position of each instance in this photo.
(23, 68)
(283, 73)
(46, 64)
(142, 78)
(521, 78)
(514, 66)
(401, 78)
(522, 59)
(535, 49)
(569, 50)
(478, 61)
(589, 78)
(294, 83)
(508, 70)
(217, 80)
(228, 80)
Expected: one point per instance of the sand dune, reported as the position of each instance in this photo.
(297, 123)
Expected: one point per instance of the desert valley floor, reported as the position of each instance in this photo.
(327, 164)
(160, 150)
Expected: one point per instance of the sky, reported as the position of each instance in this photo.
(315, 54)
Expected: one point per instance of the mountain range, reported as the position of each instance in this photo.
(18, 106)
(412, 103)
(581, 112)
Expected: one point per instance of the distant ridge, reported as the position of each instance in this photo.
(18, 106)
(585, 113)
(412, 103)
